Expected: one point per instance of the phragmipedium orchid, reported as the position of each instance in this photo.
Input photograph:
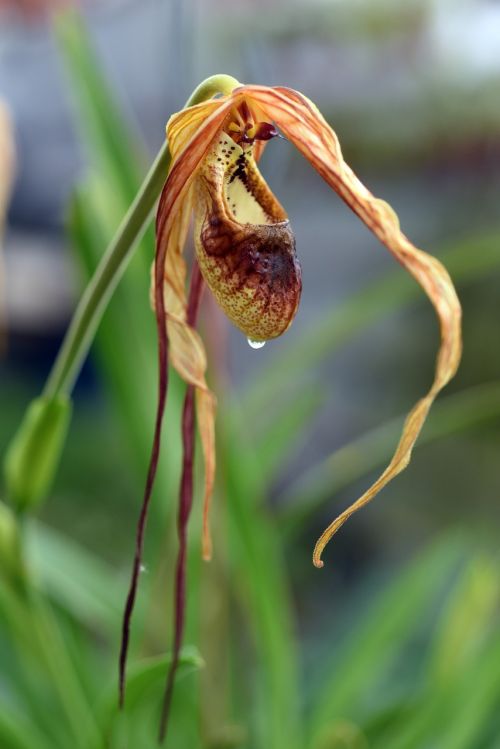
(245, 254)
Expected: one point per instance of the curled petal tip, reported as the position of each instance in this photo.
(318, 550)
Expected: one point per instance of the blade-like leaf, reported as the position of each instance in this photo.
(17, 733)
(115, 151)
(385, 628)
(258, 568)
(279, 437)
(148, 675)
(458, 703)
(79, 582)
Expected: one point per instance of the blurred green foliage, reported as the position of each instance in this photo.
(420, 665)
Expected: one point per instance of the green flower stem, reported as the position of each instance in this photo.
(98, 293)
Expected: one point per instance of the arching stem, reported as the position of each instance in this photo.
(99, 291)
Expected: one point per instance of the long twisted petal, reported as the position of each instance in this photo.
(302, 123)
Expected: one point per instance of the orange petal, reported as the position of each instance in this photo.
(187, 352)
(302, 123)
(190, 135)
(183, 125)
(174, 273)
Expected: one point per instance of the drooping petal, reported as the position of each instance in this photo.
(302, 123)
(190, 134)
(188, 147)
(174, 269)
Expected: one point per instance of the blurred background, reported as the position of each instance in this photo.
(395, 643)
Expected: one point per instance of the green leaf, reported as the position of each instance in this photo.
(78, 581)
(37, 636)
(113, 148)
(284, 430)
(149, 674)
(17, 733)
(472, 702)
(138, 721)
(342, 734)
(383, 631)
(467, 621)
(258, 569)
(458, 704)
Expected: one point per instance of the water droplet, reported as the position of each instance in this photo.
(143, 568)
(255, 344)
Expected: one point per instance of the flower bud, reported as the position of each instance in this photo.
(33, 456)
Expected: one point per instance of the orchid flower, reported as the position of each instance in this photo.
(245, 255)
